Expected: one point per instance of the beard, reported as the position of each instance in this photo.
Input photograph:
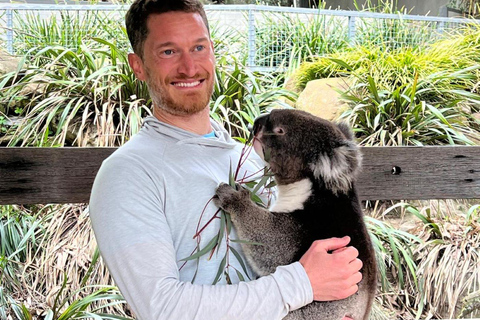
(179, 105)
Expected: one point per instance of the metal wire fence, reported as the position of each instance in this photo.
(265, 37)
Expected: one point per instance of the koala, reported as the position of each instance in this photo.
(315, 163)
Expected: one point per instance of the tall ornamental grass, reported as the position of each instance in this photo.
(284, 40)
(412, 114)
(447, 259)
(409, 96)
(50, 267)
(440, 277)
(88, 97)
(70, 29)
(393, 33)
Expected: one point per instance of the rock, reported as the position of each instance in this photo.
(36, 86)
(8, 63)
(321, 98)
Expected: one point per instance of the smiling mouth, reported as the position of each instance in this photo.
(187, 84)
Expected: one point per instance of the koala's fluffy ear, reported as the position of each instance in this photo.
(339, 169)
(346, 130)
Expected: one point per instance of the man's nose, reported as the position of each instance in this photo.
(187, 65)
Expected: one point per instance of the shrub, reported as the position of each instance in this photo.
(84, 97)
(409, 96)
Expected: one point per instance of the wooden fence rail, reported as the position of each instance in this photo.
(65, 175)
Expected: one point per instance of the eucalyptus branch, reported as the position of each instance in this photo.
(224, 232)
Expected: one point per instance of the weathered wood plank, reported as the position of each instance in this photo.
(65, 175)
(48, 175)
(442, 172)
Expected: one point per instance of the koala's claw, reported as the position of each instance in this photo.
(229, 198)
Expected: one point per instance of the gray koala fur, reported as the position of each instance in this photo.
(315, 163)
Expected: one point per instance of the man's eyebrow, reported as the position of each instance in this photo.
(203, 39)
(172, 44)
(164, 44)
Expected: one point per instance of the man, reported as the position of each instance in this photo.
(151, 195)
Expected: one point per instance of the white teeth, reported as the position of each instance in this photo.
(186, 84)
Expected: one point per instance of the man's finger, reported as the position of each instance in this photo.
(333, 244)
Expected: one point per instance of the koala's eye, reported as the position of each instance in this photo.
(279, 131)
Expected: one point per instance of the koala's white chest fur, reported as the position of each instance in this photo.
(292, 196)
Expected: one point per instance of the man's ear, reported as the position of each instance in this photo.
(136, 64)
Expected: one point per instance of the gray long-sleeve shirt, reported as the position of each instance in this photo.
(146, 205)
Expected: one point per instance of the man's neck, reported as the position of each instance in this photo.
(198, 123)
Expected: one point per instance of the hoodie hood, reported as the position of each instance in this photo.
(221, 140)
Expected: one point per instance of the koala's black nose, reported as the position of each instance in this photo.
(259, 123)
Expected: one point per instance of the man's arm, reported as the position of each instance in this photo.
(136, 243)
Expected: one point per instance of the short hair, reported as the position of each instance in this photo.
(137, 17)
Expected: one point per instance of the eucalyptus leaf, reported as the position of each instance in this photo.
(221, 270)
(240, 260)
(212, 243)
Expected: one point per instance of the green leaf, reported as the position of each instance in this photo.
(373, 88)
(96, 256)
(240, 260)
(256, 198)
(272, 184)
(211, 244)
(221, 231)
(342, 64)
(239, 275)
(229, 223)
(231, 177)
(221, 269)
(263, 181)
(250, 184)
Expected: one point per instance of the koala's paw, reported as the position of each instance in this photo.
(230, 199)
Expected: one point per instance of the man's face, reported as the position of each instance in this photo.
(178, 62)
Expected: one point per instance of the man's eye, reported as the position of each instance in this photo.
(199, 48)
(168, 52)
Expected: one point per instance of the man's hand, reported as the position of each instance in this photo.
(333, 269)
